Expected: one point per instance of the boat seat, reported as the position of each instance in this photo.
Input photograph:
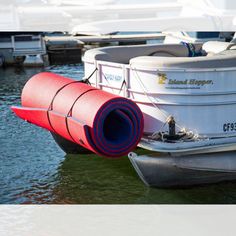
(123, 54)
(233, 47)
(219, 54)
(214, 47)
(223, 59)
(178, 50)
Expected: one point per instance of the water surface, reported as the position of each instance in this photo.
(33, 169)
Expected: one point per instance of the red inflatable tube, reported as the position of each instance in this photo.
(104, 123)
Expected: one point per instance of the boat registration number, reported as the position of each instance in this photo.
(227, 127)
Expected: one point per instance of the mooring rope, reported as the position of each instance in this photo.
(145, 90)
(86, 80)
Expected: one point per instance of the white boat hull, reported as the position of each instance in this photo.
(207, 107)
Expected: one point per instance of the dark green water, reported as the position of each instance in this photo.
(34, 170)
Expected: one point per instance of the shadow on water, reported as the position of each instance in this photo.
(34, 170)
(96, 180)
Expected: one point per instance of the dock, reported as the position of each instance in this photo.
(111, 38)
(63, 49)
(39, 49)
(69, 49)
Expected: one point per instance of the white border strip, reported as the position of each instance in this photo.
(117, 220)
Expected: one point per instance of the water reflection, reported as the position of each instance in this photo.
(95, 180)
(92, 179)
